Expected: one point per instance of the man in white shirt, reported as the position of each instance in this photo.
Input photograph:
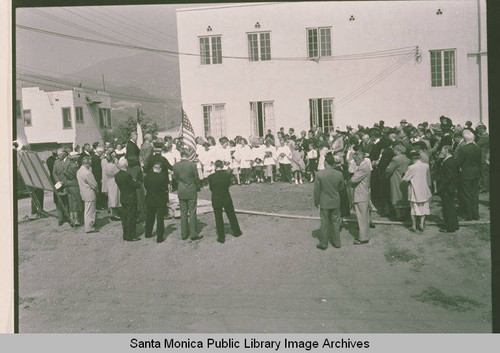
(285, 161)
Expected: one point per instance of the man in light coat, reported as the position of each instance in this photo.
(88, 190)
(360, 181)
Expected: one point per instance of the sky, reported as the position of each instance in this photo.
(143, 25)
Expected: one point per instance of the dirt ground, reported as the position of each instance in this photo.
(270, 280)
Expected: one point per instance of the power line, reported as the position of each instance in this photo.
(27, 69)
(171, 52)
(134, 28)
(136, 22)
(64, 83)
(99, 24)
(71, 24)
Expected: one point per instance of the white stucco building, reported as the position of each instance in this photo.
(70, 117)
(266, 65)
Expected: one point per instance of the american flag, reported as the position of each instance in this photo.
(188, 136)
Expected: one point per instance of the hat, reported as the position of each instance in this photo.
(404, 121)
(74, 154)
(414, 154)
(374, 130)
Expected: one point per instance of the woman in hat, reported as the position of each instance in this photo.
(71, 183)
(418, 177)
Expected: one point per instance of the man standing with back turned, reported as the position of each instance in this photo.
(186, 174)
(219, 183)
(327, 186)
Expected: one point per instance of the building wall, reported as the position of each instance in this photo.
(20, 134)
(405, 93)
(46, 115)
(89, 130)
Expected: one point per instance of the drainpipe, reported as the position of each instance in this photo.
(479, 61)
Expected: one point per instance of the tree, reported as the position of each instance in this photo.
(122, 131)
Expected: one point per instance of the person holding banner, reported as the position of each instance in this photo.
(88, 191)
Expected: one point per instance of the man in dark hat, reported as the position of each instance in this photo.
(403, 123)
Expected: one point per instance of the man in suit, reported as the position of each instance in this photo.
(360, 181)
(88, 190)
(327, 186)
(219, 183)
(469, 161)
(186, 174)
(128, 199)
(447, 185)
(156, 201)
(132, 149)
(59, 170)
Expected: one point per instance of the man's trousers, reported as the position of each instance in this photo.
(151, 214)
(330, 227)
(89, 215)
(188, 218)
(129, 221)
(363, 215)
(231, 216)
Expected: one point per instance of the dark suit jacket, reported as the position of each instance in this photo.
(375, 151)
(219, 183)
(132, 150)
(127, 186)
(97, 167)
(186, 173)
(327, 186)
(156, 190)
(385, 160)
(367, 148)
(448, 176)
(469, 161)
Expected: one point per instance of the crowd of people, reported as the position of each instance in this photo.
(391, 170)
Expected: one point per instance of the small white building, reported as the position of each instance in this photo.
(71, 117)
(258, 66)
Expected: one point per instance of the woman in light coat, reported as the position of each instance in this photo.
(418, 177)
(109, 170)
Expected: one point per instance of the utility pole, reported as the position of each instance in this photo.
(103, 83)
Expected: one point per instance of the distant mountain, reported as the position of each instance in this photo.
(146, 75)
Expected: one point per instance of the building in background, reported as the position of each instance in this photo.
(269, 65)
(68, 118)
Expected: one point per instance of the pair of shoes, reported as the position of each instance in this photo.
(413, 229)
(147, 236)
(160, 239)
(184, 237)
(237, 235)
(221, 240)
(360, 242)
(92, 231)
(372, 225)
(134, 239)
(60, 223)
(319, 246)
(442, 230)
(197, 238)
